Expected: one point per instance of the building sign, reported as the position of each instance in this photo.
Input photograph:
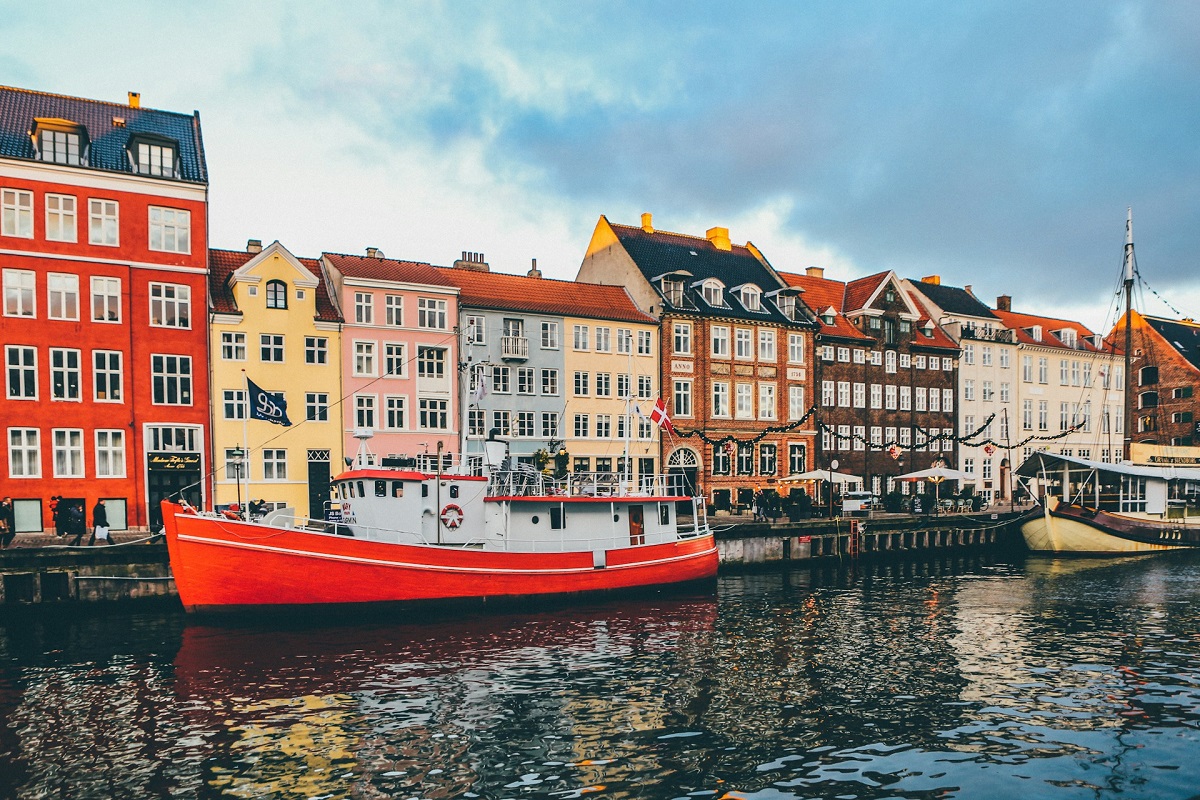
(681, 366)
(795, 373)
(1140, 453)
(172, 462)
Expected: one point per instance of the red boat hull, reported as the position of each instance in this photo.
(227, 565)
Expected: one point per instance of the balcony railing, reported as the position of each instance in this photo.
(514, 347)
(983, 335)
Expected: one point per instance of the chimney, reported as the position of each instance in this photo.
(374, 252)
(967, 289)
(135, 99)
(648, 222)
(719, 238)
(1004, 303)
(815, 272)
(254, 246)
(936, 280)
(534, 272)
(472, 261)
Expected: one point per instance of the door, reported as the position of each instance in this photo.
(172, 484)
(637, 525)
(318, 483)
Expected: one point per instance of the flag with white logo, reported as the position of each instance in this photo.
(269, 406)
(661, 418)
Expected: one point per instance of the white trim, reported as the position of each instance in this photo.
(92, 178)
(113, 261)
(242, 274)
(410, 286)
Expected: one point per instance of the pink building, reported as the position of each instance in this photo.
(399, 356)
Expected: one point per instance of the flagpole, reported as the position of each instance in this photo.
(245, 439)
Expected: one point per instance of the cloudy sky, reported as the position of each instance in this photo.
(997, 144)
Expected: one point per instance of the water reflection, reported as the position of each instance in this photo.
(1044, 678)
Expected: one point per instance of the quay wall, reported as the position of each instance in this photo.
(140, 572)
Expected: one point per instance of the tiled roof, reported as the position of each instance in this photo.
(1022, 323)
(19, 108)
(953, 300)
(1181, 335)
(223, 263)
(859, 291)
(496, 290)
(821, 294)
(388, 269)
(663, 252)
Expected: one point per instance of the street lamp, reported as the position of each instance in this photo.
(238, 457)
(832, 466)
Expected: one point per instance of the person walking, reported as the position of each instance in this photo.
(8, 523)
(73, 521)
(55, 515)
(99, 523)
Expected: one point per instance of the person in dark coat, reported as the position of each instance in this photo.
(73, 522)
(55, 516)
(99, 524)
(8, 523)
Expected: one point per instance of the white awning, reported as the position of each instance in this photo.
(1054, 462)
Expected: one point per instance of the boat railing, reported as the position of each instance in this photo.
(525, 481)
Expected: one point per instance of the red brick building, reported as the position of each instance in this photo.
(1164, 374)
(103, 252)
(886, 375)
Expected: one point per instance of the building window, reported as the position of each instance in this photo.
(434, 414)
(364, 359)
(19, 293)
(24, 453)
(603, 426)
(766, 345)
(16, 213)
(235, 403)
(106, 299)
(270, 347)
(742, 343)
(104, 222)
(274, 465)
(393, 359)
(364, 411)
(720, 399)
(171, 378)
(525, 380)
(682, 399)
(603, 339)
(64, 374)
(170, 230)
(744, 402)
(549, 335)
(644, 343)
(316, 407)
(581, 384)
(797, 459)
(624, 341)
(720, 341)
(61, 223)
(170, 305)
(501, 380)
(68, 452)
(549, 425)
(431, 363)
(110, 454)
(107, 380)
(795, 348)
(21, 362)
(156, 159)
(766, 401)
(550, 381)
(682, 336)
(393, 412)
(393, 306)
(745, 458)
(62, 295)
(316, 350)
(431, 313)
(714, 293)
(720, 460)
(233, 346)
(767, 459)
(603, 384)
(796, 409)
(581, 426)
(277, 294)
(364, 308)
(59, 147)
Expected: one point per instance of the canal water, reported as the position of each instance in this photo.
(968, 678)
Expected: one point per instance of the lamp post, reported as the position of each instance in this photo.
(832, 466)
(238, 455)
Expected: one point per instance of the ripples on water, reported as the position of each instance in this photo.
(1046, 678)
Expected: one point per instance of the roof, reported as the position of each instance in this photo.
(223, 263)
(953, 300)
(1022, 323)
(821, 294)
(860, 290)
(387, 269)
(497, 290)
(1183, 335)
(659, 253)
(1053, 462)
(108, 138)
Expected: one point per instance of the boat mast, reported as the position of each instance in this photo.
(1128, 328)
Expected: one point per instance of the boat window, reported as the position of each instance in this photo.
(333, 491)
(664, 514)
(534, 520)
(381, 488)
(397, 488)
(558, 517)
(454, 491)
(362, 491)
(424, 490)
(350, 490)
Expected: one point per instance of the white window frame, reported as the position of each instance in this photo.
(16, 213)
(69, 452)
(65, 354)
(62, 220)
(62, 288)
(104, 222)
(110, 453)
(24, 456)
(274, 464)
(20, 285)
(170, 297)
(364, 359)
(101, 376)
(170, 230)
(102, 286)
(364, 308)
(431, 313)
(181, 379)
(28, 372)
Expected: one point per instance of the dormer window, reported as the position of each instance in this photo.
(277, 294)
(60, 141)
(673, 291)
(714, 292)
(1036, 333)
(927, 329)
(890, 295)
(751, 298)
(154, 155)
(1067, 336)
(786, 304)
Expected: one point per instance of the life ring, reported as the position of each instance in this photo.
(451, 516)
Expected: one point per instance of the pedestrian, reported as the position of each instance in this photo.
(55, 516)
(73, 521)
(100, 523)
(8, 523)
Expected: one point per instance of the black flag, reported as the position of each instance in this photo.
(269, 406)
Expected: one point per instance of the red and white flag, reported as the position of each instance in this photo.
(661, 418)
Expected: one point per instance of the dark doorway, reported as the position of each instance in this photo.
(637, 526)
(171, 484)
(318, 483)
(683, 479)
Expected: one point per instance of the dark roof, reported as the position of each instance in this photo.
(223, 263)
(496, 290)
(108, 139)
(953, 300)
(1184, 336)
(661, 252)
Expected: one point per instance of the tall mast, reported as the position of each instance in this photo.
(1128, 327)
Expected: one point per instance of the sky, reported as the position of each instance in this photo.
(996, 144)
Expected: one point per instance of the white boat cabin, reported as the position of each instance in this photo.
(1145, 490)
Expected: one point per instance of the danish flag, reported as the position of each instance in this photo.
(661, 418)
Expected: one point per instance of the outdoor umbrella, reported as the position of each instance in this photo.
(821, 475)
(935, 475)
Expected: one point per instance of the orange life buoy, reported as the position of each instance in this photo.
(452, 516)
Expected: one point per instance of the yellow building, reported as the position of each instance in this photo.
(272, 322)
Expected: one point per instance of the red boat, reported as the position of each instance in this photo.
(393, 535)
